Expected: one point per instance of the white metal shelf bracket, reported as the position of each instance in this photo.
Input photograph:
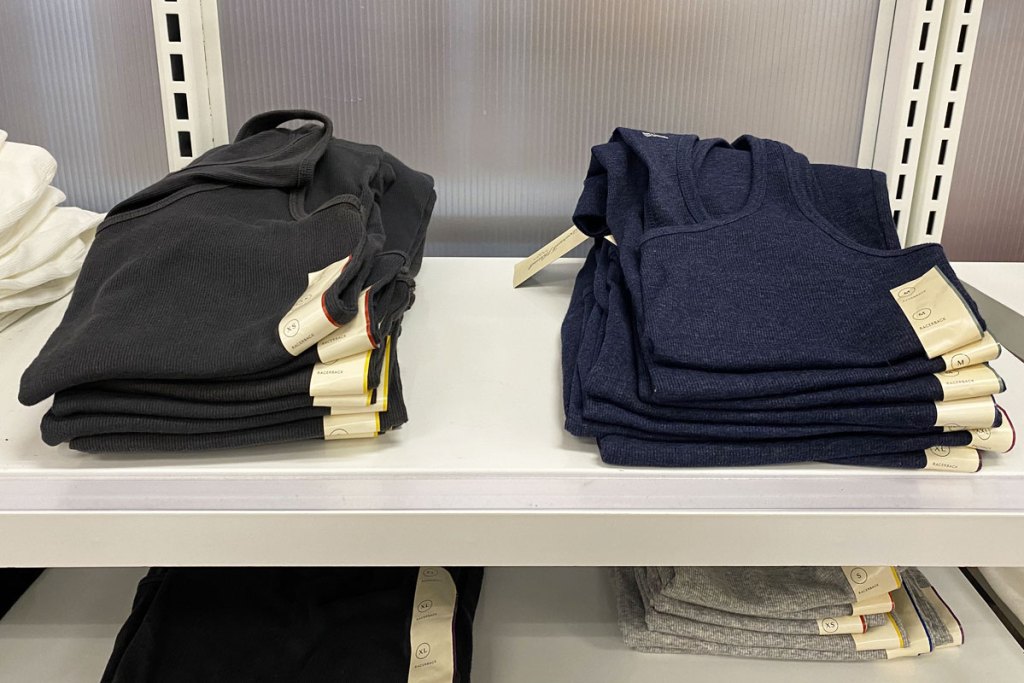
(187, 38)
(917, 90)
(898, 95)
(951, 76)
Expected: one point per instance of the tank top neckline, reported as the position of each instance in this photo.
(691, 153)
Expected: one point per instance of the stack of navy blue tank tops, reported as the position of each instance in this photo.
(742, 306)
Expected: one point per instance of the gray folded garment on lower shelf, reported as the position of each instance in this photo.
(932, 630)
(894, 634)
(944, 629)
(655, 578)
(762, 591)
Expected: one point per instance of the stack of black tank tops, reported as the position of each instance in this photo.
(254, 297)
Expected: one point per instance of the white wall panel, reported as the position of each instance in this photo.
(78, 77)
(985, 215)
(501, 99)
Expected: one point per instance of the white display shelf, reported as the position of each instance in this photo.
(533, 624)
(1004, 282)
(483, 474)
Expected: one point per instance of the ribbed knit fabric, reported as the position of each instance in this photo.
(652, 581)
(719, 272)
(270, 385)
(641, 623)
(637, 636)
(127, 433)
(302, 625)
(735, 319)
(185, 303)
(171, 338)
(735, 636)
(759, 591)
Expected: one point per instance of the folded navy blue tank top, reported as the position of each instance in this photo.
(616, 383)
(627, 414)
(768, 298)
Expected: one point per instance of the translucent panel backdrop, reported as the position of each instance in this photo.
(79, 78)
(501, 99)
(985, 218)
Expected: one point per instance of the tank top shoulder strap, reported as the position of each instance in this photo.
(785, 177)
(663, 157)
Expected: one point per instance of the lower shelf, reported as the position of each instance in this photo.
(533, 624)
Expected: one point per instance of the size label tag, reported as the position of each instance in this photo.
(979, 352)
(307, 321)
(351, 426)
(937, 313)
(995, 439)
(870, 582)
(969, 412)
(885, 637)
(916, 642)
(970, 382)
(351, 338)
(952, 459)
(342, 377)
(948, 619)
(356, 403)
(877, 605)
(831, 626)
(431, 644)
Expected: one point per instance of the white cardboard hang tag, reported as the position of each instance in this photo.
(352, 337)
(937, 312)
(549, 253)
(308, 321)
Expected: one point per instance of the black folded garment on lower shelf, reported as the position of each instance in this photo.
(301, 625)
(13, 583)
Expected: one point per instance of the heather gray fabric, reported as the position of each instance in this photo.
(634, 614)
(916, 583)
(760, 591)
(726, 635)
(637, 636)
(650, 583)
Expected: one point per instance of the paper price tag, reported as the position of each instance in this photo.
(979, 352)
(952, 459)
(969, 412)
(546, 255)
(351, 338)
(549, 253)
(307, 321)
(937, 313)
(970, 382)
(351, 426)
(345, 376)
(877, 605)
(885, 637)
(431, 625)
(870, 582)
(830, 626)
(995, 439)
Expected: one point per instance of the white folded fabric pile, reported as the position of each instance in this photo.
(42, 245)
